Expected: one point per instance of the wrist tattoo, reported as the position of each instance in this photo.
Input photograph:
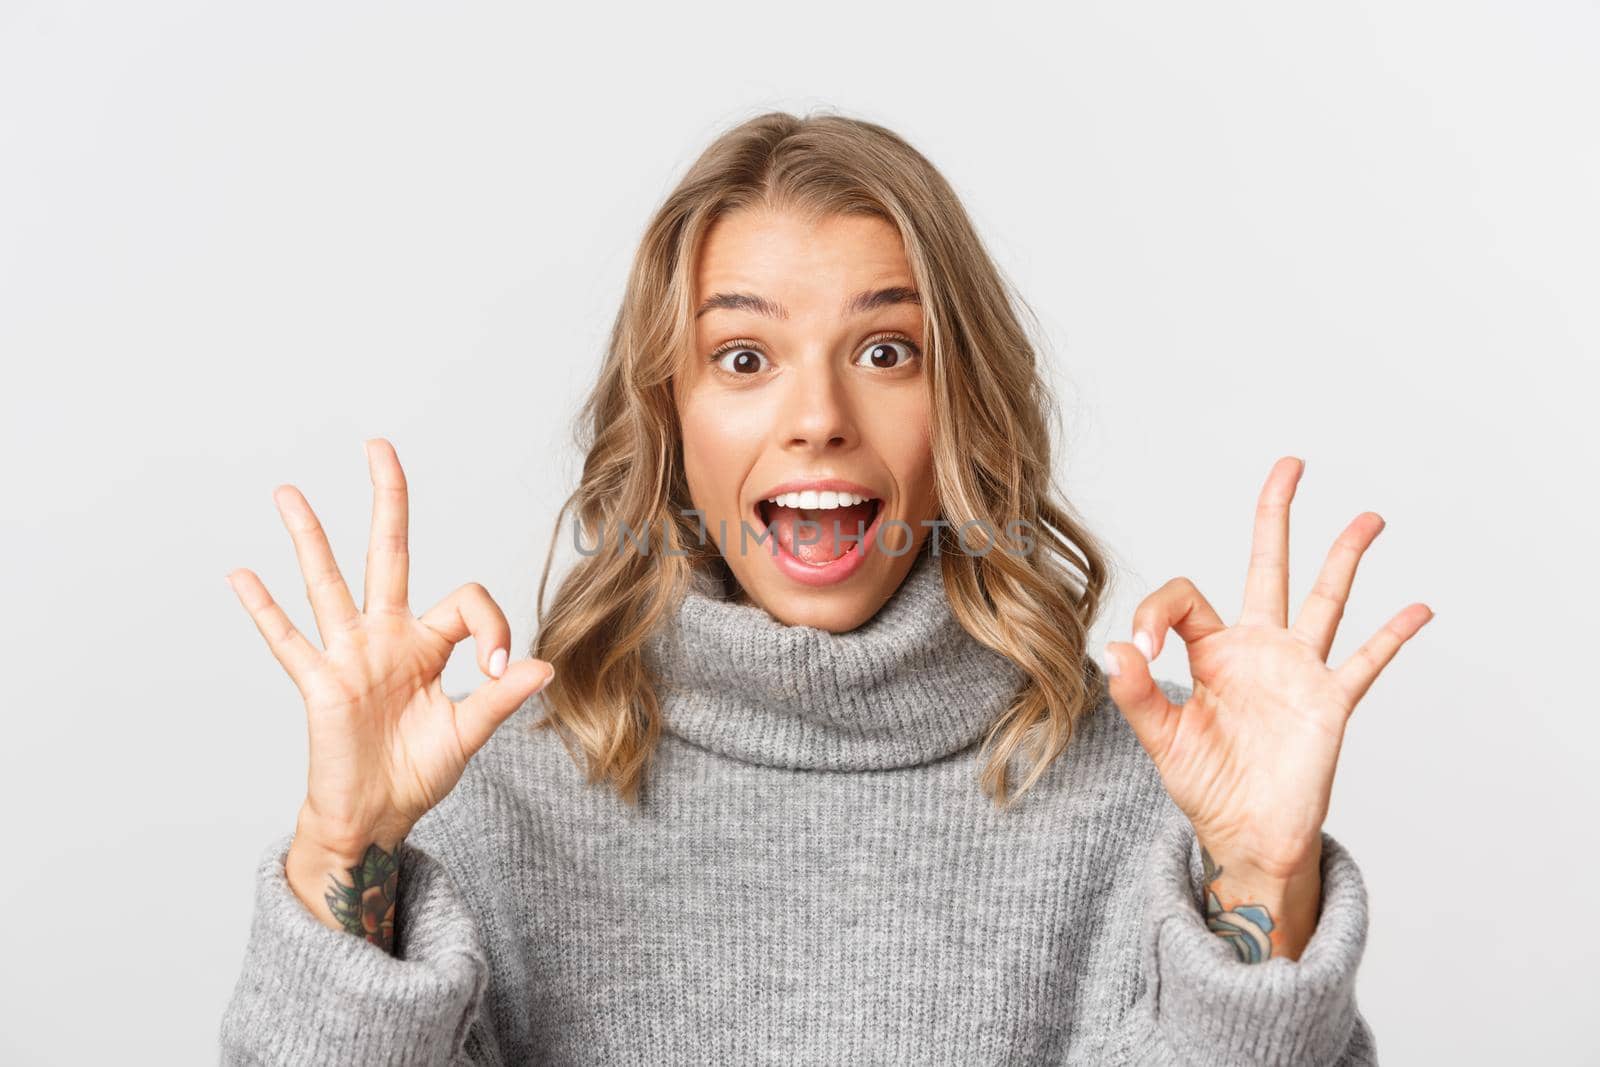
(1246, 927)
(366, 908)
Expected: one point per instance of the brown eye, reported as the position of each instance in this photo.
(887, 355)
(739, 360)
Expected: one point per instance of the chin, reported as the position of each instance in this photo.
(833, 608)
(837, 613)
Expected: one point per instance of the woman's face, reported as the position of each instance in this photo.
(819, 386)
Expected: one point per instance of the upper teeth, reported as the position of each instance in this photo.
(813, 500)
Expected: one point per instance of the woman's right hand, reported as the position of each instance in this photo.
(386, 744)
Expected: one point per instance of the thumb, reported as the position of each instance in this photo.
(493, 702)
(1137, 696)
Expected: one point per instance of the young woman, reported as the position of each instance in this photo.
(753, 799)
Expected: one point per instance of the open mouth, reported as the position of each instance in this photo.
(821, 534)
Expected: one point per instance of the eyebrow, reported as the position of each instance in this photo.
(866, 300)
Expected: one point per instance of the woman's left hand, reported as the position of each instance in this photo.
(1250, 757)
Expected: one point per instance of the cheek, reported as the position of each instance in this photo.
(720, 444)
(899, 431)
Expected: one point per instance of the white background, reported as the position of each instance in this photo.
(235, 240)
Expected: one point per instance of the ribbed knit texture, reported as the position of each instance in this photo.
(813, 876)
(736, 681)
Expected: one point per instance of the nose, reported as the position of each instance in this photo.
(817, 413)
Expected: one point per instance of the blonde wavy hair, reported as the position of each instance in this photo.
(991, 446)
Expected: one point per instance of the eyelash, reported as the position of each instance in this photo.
(741, 342)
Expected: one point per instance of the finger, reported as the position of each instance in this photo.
(388, 557)
(1177, 605)
(471, 610)
(331, 603)
(481, 714)
(1319, 617)
(288, 644)
(1151, 715)
(1358, 672)
(1266, 585)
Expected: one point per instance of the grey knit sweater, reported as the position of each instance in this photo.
(813, 876)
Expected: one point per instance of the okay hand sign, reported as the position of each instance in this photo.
(386, 744)
(1250, 757)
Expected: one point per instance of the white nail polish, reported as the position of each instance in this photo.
(1109, 659)
(497, 662)
(1141, 641)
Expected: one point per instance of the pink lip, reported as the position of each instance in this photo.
(846, 565)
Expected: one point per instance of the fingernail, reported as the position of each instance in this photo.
(1110, 659)
(497, 663)
(1146, 647)
(549, 673)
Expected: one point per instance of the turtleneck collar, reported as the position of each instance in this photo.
(906, 687)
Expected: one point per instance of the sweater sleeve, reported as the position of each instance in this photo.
(312, 994)
(1203, 1005)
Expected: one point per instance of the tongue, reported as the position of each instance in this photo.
(840, 530)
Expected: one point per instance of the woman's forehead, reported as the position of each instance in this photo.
(771, 255)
